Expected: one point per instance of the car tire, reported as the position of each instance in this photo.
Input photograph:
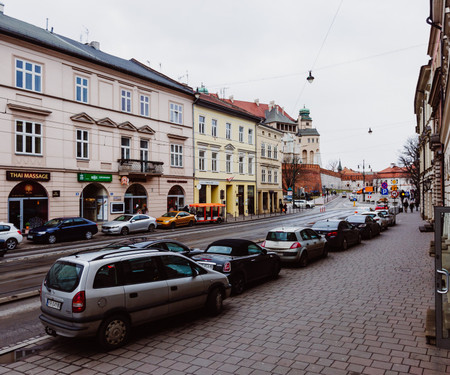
(11, 243)
(214, 303)
(124, 231)
(304, 260)
(219, 220)
(238, 285)
(325, 251)
(88, 235)
(191, 223)
(344, 245)
(51, 239)
(276, 269)
(114, 332)
(358, 241)
(151, 228)
(172, 225)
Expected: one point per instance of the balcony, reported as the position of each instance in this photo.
(435, 142)
(140, 167)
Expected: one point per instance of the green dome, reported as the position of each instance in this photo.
(202, 90)
(304, 114)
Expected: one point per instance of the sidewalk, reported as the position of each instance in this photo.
(361, 311)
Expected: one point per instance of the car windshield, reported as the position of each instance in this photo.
(123, 218)
(170, 214)
(219, 249)
(281, 236)
(53, 223)
(325, 226)
(64, 276)
(356, 219)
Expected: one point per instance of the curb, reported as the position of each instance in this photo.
(19, 296)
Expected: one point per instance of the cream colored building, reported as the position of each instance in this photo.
(225, 155)
(85, 133)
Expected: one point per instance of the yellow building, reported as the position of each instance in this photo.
(224, 155)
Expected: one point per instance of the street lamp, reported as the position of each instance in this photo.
(364, 180)
(310, 78)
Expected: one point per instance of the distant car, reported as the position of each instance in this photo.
(11, 235)
(380, 218)
(125, 224)
(167, 245)
(366, 225)
(242, 261)
(338, 233)
(353, 198)
(174, 219)
(389, 215)
(63, 229)
(303, 203)
(344, 195)
(295, 244)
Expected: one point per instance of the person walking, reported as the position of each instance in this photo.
(405, 205)
(411, 205)
(285, 208)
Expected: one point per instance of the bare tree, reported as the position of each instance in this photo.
(410, 160)
(291, 171)
(333, 165)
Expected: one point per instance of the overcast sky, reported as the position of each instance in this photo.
(365, 57)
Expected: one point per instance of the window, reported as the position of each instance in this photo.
(275, 152)
(263, 175)
(82, 144)
(143, 270)
(269, 176)
(214, 128)
(176, 113)
(81, 89)
(269, 151)
(177, 267)
(144, 105)
(241, 164)
(201, 124)
(228, 162)
(143, 154)
(263, 150)
(28, 138)
(275, 177)
(214, 161)
(250, 165)
(125, 149)
(28, 75)
(201, 160)
(228, 131)
(250, 136)
(106, 277)
(241, 134)
(126, 100)
(176, 155)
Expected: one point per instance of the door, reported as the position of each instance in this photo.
(257, 263)
(442, 267)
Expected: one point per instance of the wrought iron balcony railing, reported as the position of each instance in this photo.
(141, 167)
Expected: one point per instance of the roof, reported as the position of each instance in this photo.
(256, 108)
(287, 229)
(36, 35)
(274, 115)
(304, 132)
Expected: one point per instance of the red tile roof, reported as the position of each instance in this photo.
(256, 109)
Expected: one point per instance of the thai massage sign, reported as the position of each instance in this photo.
(21, 176)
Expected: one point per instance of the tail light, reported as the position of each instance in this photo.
(19, 232)
(263, 244)
(227, 267)
(296, 245)
(331, 234)
(79, 302)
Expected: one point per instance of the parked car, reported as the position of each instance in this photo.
(62, 229)
(127, 223)
(380, 218)
(344, 194)
(167, 245)
(295, 244)
(365, 224)
(174, 219)
(242, 261)
(391, 216)
(11, 235)
(104, 293)
(302, 203)
(338, 233)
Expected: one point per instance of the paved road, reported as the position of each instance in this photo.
(357, 312)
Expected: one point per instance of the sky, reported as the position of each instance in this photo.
(365, 57)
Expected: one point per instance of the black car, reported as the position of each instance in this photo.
(2, 248)
(63, 229)
(243, 261)
(365, 224)
(338, 233)
(167, 245)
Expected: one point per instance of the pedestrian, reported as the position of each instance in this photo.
(411, 206)
(417, 205)
(144, 209)
(405, 205)
(285, 208)
(281, 206)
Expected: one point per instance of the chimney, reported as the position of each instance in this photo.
(271, 104)
(282, 110)
(95, 45)
(257, 102)
(2, 8)
(231, 97)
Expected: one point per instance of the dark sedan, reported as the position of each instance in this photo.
(167, 245)
(365, 224)
(242, 261)
(338, 233)
(63, 229)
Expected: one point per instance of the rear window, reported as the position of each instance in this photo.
(281, 236)
(356, 219)
(217, 249)
(64, 276)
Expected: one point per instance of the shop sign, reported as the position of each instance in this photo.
(94, 177)
(20, 176)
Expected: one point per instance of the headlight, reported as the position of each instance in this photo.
(41, 233)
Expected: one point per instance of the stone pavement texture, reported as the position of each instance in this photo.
(361, 311)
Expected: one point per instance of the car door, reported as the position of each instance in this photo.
(306, 242)
(187, 289)
(67, 230)
(350, 233)
(141, 223)
(257, 262)
(316, 243)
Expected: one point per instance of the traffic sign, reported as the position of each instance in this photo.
(394, 182)
(394, 194)
(384, 191)
(394, 187)
(384, 185)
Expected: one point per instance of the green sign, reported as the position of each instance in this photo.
(94, 177)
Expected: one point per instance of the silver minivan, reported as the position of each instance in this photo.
(104, 293)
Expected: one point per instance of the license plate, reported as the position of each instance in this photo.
(30, 236)
(209, 266)
(54, 304)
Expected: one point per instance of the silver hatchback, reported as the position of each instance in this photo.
(104, 293)
(127, 223)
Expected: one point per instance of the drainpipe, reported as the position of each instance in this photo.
(197, 97)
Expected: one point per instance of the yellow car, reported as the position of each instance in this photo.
(174, 219)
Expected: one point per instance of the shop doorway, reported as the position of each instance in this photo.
(175, 198)
(94, 203)
(28, 205)
(241, 199)
(136, 199)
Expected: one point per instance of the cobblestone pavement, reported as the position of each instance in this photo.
(361, 311)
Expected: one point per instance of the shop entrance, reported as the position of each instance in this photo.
(94, 203)
(136, 199)
(28, 205)
(175, 198)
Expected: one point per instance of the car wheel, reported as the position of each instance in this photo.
(88, 235)
(303, 262)
(151, 228)
(325, 251)
(219, 220)
(358, 241)
(214, 303)
(191, 223)
(11, 243)
(238, 285)
(52, 238)
(172, 226)
(124, 231)
(114, 332)
(276, 269)
(344, 245)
